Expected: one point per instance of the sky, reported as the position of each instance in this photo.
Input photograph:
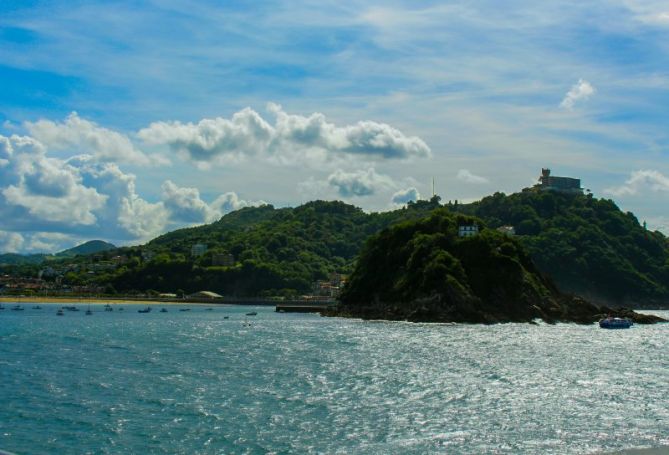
(122, 120)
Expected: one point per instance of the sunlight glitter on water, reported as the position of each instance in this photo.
(194, 382)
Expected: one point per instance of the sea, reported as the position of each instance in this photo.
(214, 380)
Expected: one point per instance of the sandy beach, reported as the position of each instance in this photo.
(109, 300)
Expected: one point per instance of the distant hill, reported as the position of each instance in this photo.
(21, 259)
(90, 247)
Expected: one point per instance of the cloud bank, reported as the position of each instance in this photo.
(83, 136)
(359, 183)
(47, 203)
(246, 134)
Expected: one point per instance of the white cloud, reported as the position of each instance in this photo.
(401, 197)
(359, 183)
(466, 176)
(582, 90)
(48, 242)
(229, 202)
(10, 242)
(83, 136)
(184, 204)
(47, 188)
(641, 181)
(221, 140)
(211, 139)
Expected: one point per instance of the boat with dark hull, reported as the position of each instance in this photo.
(615, 323)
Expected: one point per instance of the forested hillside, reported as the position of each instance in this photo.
(424, 271)
(586, 245)
(275, 251)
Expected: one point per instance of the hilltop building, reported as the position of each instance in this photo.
(550, 182)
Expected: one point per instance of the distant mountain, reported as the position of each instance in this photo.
(90, 247)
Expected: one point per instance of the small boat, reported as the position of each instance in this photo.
(108, 307)
(17, 308)
(226, 317)
(252, 313)
(120, 309)
(209, 309)
(184, 309)
(163, 310)
(615, 323)
(145, 310)
(88, 311)
(37, 307)
(59, 313)
(1, 307)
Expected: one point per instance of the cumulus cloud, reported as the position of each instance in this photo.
(641, 181)
(46, 188)
(582, 90)
(83, 136)
(401, 197)
(466, 176)
(359, 183)
(211, 139)
(10, 242)
(48, 242)
(229, 202)
(247, 133)
(48, 203)
(184, 204)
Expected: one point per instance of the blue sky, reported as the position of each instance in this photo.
(124, 119)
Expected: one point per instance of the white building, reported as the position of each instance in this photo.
(468, 230)
(198, 249)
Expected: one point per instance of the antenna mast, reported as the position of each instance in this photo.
(432, 186)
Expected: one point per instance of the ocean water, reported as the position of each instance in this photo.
(195, 382)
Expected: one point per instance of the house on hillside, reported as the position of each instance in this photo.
(198, 249)
(468, 230)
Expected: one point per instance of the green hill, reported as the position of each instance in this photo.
(588, 246)
(275, 251)
(423, 271)
(90, 247)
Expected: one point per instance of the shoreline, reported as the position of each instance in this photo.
(102, 300)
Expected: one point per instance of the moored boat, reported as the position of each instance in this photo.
(615, 323)
(146, 310)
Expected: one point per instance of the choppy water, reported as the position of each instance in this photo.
(194, 382)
